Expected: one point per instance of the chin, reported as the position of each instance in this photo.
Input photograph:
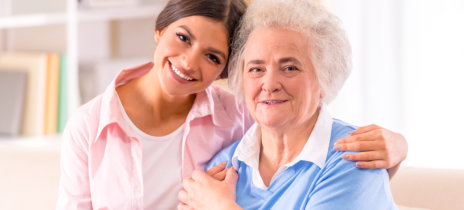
(271, 122)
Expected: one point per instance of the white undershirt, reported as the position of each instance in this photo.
(161, 166)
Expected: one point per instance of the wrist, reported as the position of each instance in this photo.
(392, 171)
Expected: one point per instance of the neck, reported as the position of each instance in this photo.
(151, 109)
(161, 104)
(280, 146)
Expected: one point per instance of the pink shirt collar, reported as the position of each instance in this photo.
(110, 111)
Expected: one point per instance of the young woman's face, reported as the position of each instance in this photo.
(190, 54)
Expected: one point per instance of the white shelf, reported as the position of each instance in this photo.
(83, 15)
(119, 13)
(51, 142)
(70, 18)
(33, 20)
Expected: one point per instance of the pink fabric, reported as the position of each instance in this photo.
(102, 158)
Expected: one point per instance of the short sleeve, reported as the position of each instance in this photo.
(344, 186)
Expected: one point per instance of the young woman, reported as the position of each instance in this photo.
(130, 147)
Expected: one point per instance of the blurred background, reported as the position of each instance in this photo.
(56, 55)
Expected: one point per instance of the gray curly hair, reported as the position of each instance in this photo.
(330, 49)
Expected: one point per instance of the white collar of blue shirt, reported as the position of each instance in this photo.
(315, 149)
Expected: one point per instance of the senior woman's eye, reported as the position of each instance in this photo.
(290, 68)
(255, 70)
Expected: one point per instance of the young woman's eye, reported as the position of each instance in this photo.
(214, 58)
(182, 37)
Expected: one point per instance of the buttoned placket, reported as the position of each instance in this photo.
(137, 176)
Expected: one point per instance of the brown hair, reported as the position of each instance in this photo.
(227, 11)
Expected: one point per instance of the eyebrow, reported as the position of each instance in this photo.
(282, 60)
(216, 51)
(290, 59)
(186, 28)
(255, 62)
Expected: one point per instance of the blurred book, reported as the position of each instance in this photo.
(12, 91)
(51, 94)
(62, 94)
(35, 66)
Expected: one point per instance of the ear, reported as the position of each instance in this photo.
(321, 94)
(158, 34)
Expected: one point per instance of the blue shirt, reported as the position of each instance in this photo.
(317, 179)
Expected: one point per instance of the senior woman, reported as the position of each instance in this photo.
(292, 58)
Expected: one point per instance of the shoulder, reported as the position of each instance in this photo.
(225, 154)
(227, 108)
(343, 183)
(341, 129)
(83, 123)
(226, 100)
(222, 94)
(347, 187)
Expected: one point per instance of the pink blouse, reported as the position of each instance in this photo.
(101, 158)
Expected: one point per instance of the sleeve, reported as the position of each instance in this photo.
(74, 189)
(344, 186)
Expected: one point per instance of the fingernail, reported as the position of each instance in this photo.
(337, 147)
(346, 156)
(358, 164)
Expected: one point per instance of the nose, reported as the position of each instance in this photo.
(190, 60)
(271, 81)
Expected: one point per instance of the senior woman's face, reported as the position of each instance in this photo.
(280, 85)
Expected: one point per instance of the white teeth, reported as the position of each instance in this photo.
(272, 102)
(183, 76)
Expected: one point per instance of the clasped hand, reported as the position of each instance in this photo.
(214, 189)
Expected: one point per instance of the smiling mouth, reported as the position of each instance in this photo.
(180, 74)
(272, 102)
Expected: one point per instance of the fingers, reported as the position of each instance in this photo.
(360, 146)
(216, 169)
(231, 176)
(365, 156)
(367, 136)
(183, 196)
(365, 129)
(187, 184)
(221, 175)
(371, 164)
(183, 206)
(199, 175)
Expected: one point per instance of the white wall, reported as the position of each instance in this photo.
(407, 74)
